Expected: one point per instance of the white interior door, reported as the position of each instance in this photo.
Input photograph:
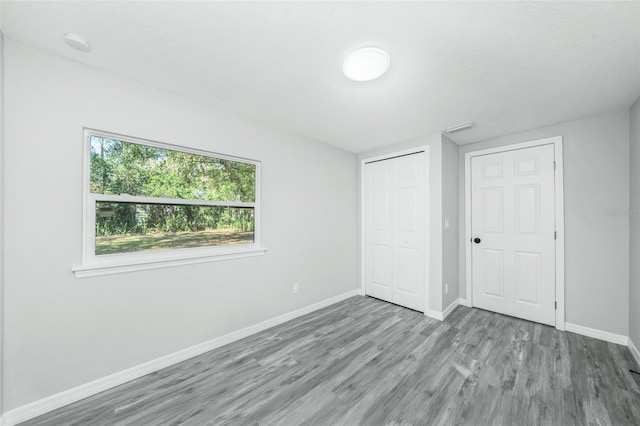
(395, 230)
(513, 232)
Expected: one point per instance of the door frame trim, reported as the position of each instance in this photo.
(427, 207)
(556, 141)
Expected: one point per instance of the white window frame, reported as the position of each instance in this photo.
(93, 264)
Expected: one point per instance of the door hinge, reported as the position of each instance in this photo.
(554, 165)
(555, 235)
(555, 305)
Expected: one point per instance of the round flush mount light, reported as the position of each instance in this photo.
(77, 42)
(366, 64)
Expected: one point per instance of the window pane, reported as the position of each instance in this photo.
(119, 167)
(132, 227)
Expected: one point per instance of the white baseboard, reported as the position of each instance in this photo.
(597, 334)
(434, 314)
(450, 308)
(50, 403)
(634, 351)
(441, 316)
(464, 302)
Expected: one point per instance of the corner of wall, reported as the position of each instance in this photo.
(450, 223)
(435, 229)
(634, 226)
(634, 351)
(2, 168)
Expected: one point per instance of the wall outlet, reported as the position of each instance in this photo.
(446, 288)
(296, 287)
(446, 224)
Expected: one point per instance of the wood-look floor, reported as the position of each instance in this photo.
(364, 361)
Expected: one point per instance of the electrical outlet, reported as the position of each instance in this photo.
(446, 288)
(446, 224)
(296, 287)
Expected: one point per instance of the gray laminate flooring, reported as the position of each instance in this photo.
(364, 361)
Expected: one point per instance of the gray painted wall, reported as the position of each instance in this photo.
(62, 332)
(596, 180)
(634, 263)
(450, 237)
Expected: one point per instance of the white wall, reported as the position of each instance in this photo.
(450, 237)
(634, 275)
(596, 180)
(436, 205)
(61, 331)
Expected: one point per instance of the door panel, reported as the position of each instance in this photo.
(527, 277)
(379, 231)
(527, 166)
(381, 273)
(407, 268)
(527, 206)
(513, 214)
(407, 210)
(395, 230)
(491, 170)
(380, 211)
(493, 273)
(493, 206)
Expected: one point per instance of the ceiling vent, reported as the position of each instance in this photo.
(459, 128)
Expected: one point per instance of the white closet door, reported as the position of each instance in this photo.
(379, 229)
(395, 230)
(513, 226)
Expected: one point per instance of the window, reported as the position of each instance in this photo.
(149, 203)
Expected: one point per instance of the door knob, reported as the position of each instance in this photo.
(477, 240)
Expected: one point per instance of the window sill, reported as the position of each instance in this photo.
(133, 265)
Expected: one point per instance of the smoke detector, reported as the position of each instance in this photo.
(76, 42)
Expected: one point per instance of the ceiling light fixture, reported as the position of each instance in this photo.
(77, 42)
(366, 64)
(460, 127)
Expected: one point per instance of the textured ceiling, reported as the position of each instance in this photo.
(508, 66)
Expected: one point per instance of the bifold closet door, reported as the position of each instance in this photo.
(395, 230)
